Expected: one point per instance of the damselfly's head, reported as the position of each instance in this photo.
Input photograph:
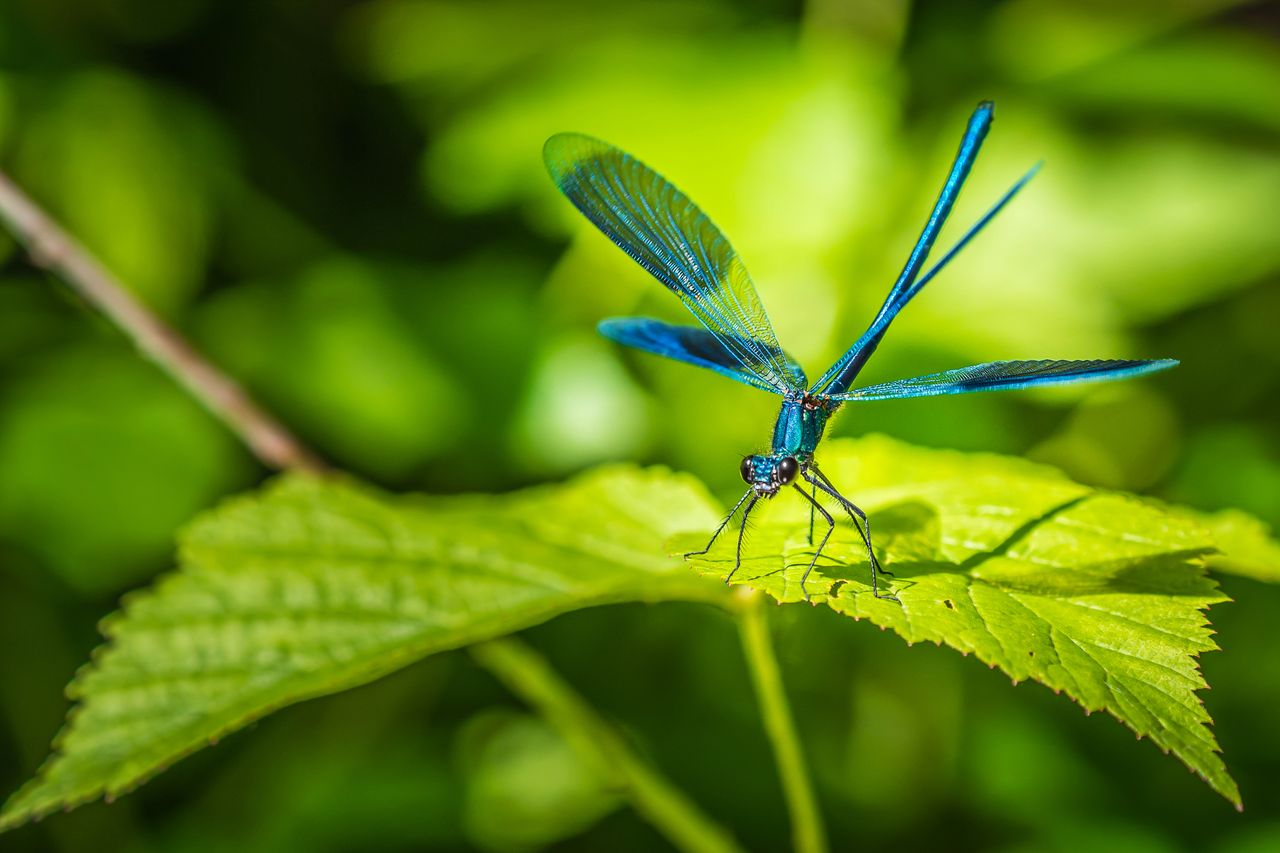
(767, 474)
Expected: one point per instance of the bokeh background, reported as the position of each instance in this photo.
(344, 205)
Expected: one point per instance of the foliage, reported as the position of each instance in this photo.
(1247, 545)
(1092, 593)
(343, 206)
(315, 586)
(319, 584)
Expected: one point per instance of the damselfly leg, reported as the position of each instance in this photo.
(751, 493)
(813, 500)
(742, 531)
(856, 515)
(831, 525)
(723, 525)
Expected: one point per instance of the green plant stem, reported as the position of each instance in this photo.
(529, 676)
(807, 831)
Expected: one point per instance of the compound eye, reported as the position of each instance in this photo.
(747, 469)
(787, 470)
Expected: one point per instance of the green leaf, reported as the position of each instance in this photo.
(314, 586)
(1095, 594)
(1246, 544)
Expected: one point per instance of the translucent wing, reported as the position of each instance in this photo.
(840, 376)
(1007, 376)
(668, 235)
(693, 345)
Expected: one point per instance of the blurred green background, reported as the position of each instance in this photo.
(344, 205)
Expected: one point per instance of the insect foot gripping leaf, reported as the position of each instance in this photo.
(1095, 594)
(314, 586)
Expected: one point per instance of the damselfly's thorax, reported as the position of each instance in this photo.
(811, 403)
(799, 427)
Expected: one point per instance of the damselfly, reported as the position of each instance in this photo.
(669, 236)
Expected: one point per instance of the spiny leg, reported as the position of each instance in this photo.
(831, 525)
(856, 513)
(723, 525)
(813, 499)
(742, 531)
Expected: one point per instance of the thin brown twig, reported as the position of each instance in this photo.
(51, 248)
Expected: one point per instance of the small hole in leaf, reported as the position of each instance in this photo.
(947, 602)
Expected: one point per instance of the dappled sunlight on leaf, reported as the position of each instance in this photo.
(1248, 545)
(313, 586)
(1099, 595)
(317, 585)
